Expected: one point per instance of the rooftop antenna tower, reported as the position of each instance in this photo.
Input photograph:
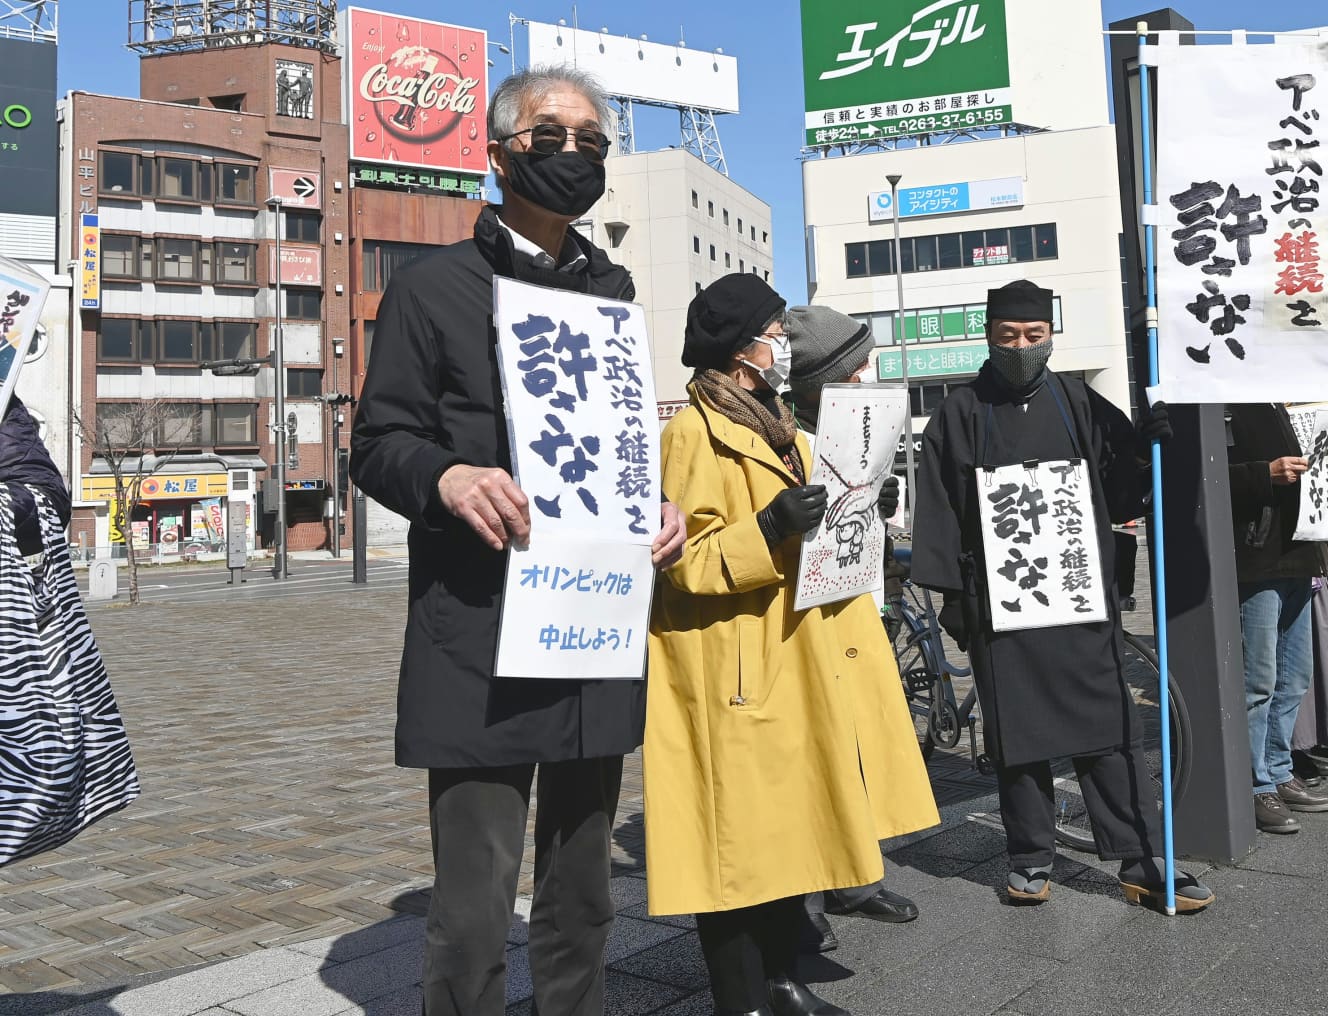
(30, 20)
(175, 26)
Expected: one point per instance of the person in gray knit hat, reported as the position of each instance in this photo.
(833, 348)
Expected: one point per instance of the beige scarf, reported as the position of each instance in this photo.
(733, 401)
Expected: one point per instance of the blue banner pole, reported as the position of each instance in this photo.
(1156, 537)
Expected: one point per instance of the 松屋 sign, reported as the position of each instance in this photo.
(874, 70)
(89, 262)
(947, 199)
(417, 92)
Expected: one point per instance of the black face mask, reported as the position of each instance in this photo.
(566, 183)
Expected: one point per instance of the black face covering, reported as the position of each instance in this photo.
(566, 183)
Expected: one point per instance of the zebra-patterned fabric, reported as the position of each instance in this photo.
(64, 754)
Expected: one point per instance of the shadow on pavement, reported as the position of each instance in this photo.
(47, 1003)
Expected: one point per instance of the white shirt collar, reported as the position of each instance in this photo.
(573, 258)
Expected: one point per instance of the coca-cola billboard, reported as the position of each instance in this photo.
(417, 92)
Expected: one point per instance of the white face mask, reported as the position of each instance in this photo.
(777, 374)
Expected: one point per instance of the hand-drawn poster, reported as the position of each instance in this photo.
(1311, 426)
(1039, 541)
(1243, 310)
(22, 297)
(581, 419)
(856, 433)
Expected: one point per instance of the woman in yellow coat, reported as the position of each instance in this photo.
(754, 781)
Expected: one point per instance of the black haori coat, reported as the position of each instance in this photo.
(432, 399)
(1046, 692)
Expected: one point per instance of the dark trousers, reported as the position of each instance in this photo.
(478, 821)
(1117, 793)
(842, 899)
(746, 947)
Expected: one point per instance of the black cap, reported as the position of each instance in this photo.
(725, 316)
(1019, 301)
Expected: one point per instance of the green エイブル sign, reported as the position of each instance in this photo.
(874, 70)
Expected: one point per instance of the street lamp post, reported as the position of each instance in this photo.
(338, 347)
(279, 565)
(909, 495)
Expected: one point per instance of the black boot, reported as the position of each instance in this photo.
(790, 998)
(816, 935)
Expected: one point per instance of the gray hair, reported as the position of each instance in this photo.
(531, 86)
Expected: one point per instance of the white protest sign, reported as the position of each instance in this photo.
(22, 297)
(1311, 427)
(581, 418)
(857, 429)
(1039, 542)
(1243, 310)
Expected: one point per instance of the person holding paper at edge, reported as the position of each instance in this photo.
(1054, 691)
(1274, 574)
(833, 348)
(430, 442)
(754, 790)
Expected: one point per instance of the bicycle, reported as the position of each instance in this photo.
(940, 719)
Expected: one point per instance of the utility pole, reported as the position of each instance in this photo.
(335, 404)
(279, 565)
(909, 475)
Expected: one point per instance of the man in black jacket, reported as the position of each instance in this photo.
(1275, 574)
(430, 442)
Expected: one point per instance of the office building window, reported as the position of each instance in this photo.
(235, 423)
(740, 227)
(695, 200)
(712, 252)
(969, 249)
(303, 382)
(696, 245)
(235, 184)
(728, 260)
(119, 256)
(303, 227)
(236, 264)
(177, 260)
(303, 304)
(179, 179)
(710, 205)
(726, 216)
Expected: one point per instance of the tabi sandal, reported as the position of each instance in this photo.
(1028, 885)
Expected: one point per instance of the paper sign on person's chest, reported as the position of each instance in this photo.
(1040, 546)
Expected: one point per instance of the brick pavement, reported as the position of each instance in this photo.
(272, 813)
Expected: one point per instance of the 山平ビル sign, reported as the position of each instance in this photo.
(873, 70)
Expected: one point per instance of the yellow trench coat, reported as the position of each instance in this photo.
(779, 748)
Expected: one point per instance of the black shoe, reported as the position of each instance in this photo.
(1299, 797)
(1304, 766)
(882, 905)
(789, 998)
(817, 936)
(1272, 815)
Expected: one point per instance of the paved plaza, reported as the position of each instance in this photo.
(278, 863)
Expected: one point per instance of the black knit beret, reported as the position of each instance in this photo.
(725, 316)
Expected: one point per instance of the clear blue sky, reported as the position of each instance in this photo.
(761, 144)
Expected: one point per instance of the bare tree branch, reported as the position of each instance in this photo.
(136, 440)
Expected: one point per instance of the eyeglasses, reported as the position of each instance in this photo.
(551, 138)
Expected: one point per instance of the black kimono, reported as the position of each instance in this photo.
(1046, 692)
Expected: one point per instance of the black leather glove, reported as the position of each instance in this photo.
(1153, 425)
(888, 499)
(792, 511)
(951, 619)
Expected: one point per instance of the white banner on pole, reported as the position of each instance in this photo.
(1311, 426)
(857, 429)
(22, 297)
(1039, 542)
(1243, 307)
(581, 417)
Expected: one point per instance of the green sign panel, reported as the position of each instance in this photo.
(932, 361)
(430, 180)
(874, 70)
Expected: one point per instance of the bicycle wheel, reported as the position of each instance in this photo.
(917, 674)
(1141, 675)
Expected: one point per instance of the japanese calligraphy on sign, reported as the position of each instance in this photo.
(1240, 235)
(581, 414)
(22, 297)
(1311, 426)
(857, 430)
(1039, 541)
